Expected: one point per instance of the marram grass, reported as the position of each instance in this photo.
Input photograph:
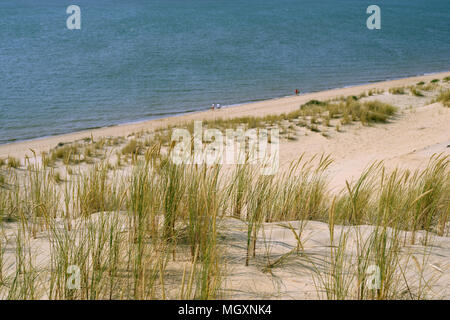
(145, 228)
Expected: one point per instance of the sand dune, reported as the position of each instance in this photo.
(293, 277)
(420, 129)
(407, 142)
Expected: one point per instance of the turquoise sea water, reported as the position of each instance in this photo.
(135, 60)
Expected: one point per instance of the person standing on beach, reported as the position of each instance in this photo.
(297, 92)
(213, 106)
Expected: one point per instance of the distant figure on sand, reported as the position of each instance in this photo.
(297, 92)
(215, 106)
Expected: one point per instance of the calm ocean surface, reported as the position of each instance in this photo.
(135, 60)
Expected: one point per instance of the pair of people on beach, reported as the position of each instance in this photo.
(215, 106)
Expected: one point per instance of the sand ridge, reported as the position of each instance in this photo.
(420, 129)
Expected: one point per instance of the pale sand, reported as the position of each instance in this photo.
(407, 141)
(280, 105)
(294, 277)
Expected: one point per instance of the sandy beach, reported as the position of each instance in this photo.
(292, 254)
(273, 106)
